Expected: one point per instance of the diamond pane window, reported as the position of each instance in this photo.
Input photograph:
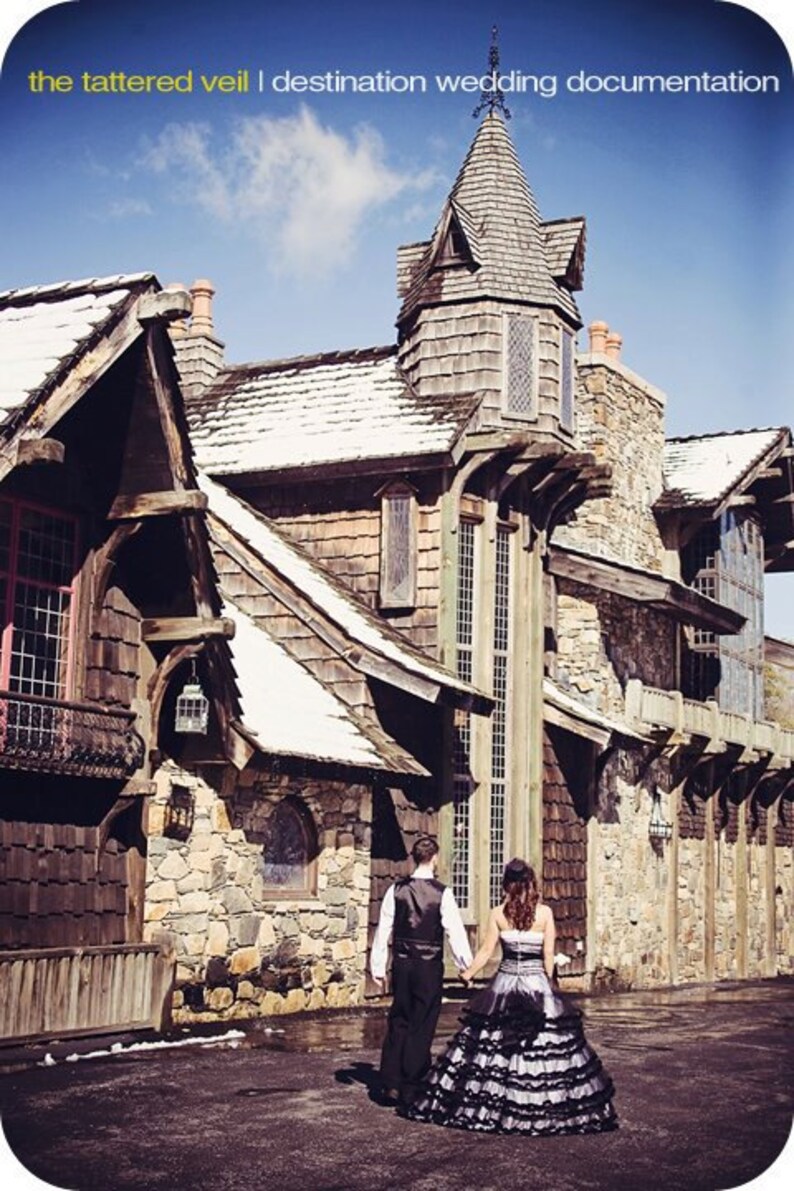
(566, 380)
(398, 546)
(520, 365)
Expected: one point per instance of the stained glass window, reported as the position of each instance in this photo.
(398, 547)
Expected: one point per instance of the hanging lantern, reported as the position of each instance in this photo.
(658, 827)
(192, 707)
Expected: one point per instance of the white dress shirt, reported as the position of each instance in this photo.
(450, 920)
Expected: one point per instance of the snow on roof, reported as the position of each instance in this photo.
(705, 468)
(41, 327)
(320, 587)
(287, 708)
(312, 410)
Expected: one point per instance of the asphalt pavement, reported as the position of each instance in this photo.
(704, 1096)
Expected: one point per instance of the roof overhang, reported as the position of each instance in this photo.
(665, 595)
(565, 711)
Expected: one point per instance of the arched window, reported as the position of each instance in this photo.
(290, 851)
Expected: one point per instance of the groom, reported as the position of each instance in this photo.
(415, 914)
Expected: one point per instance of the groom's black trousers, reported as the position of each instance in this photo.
(416, 989)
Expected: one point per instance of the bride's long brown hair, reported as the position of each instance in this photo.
(521, 894)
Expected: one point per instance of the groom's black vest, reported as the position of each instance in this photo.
(418, 931)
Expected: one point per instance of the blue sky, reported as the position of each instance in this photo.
(294, 204)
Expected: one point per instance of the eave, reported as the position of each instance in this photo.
(665, 595)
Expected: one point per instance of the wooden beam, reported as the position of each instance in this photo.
(186, 628)
(35, 450)
(157, 504)
(788, 499)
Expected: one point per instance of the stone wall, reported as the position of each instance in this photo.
(604, 640)
(629, 879)
(620, 418)
(241, 950)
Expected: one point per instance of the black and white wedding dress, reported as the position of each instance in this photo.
(520, 1063)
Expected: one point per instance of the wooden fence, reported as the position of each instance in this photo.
(70, 991)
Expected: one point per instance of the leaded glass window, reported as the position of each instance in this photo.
(499, 736)
(398, 547)
(37, 578)
(725, 561)
(463, 783)
(520, 365)
(566, 379)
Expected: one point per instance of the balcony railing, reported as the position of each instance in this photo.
(54, 736)
(704, 722)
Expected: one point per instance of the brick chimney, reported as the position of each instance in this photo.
(197, 350)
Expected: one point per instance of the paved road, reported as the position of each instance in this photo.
(704, 1093)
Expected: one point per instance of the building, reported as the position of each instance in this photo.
(512, 509)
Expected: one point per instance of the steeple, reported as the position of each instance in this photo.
(488, 301)
(492, 217)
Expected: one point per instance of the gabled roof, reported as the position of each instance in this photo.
(45, 330)
(286, 711)
(565, 241)
(498, 215)
(706, 474)
(704, 469)
(369, 643)
(340, 407)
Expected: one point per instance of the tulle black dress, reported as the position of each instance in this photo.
(520, 1063)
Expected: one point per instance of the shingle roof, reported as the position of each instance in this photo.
(562, 238)
(703, 469)
(45, 328)
(289, 711)
(499, 208)
(313, 410)
(321, 588)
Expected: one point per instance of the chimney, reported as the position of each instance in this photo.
(613, 345)
(198, 352)
(598, 337)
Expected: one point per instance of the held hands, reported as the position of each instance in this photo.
(467, 975)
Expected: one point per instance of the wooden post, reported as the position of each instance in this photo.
(447, 653)
(672, 890)
(534, 721)
(770, 885)
(709, 880)
(740, 878)
(521, 662)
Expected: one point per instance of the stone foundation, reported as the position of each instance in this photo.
(245, 949)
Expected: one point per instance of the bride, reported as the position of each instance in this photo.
(520, 1063)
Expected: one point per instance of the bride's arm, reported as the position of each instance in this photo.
(485, 952)
(549, 940)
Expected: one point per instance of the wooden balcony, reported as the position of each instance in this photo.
(681, 721)
(80, 739)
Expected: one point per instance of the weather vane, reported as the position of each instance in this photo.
(493, 98)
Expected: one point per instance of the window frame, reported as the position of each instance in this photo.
(297, 807)
(397, 597)
(14, 579)
(567, 415)
(530, 415)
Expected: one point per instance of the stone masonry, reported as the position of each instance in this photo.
(243, 950)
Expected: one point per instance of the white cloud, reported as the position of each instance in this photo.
(125, 208)
(303, 189)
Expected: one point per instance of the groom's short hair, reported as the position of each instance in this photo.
(424, 849)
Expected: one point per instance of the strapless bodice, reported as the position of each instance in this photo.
(520, 946)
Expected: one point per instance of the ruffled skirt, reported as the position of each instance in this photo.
(519, 1064)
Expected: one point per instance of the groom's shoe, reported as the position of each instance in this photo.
(389, 1097)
